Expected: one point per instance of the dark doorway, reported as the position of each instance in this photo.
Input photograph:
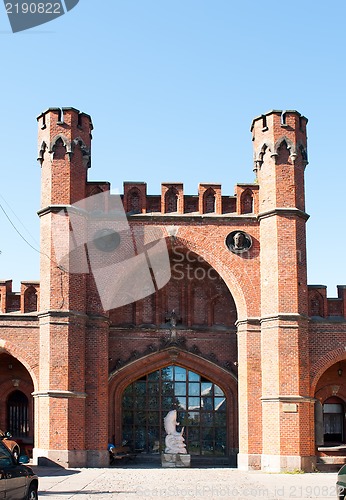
(333, 420)
(17, 414)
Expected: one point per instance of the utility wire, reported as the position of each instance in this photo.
(18, 219)
(18, 232)
(62, 270)
(27, 242)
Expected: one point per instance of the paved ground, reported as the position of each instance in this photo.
(146, 482)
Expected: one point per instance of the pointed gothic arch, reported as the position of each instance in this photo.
(316, 304)
(264, 149)
(171, 200)
(284, 149)
(246, 202)
(30, 299)
(192, 243)
(209, 200)
(134, 201)
(122, 378)
(58, 140)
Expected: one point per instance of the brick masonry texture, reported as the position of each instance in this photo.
(246, 320)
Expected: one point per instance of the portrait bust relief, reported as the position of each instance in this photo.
(238, 241)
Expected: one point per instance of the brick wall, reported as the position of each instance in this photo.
(246, 316)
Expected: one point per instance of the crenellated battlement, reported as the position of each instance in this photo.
(172, 200)
(25, 301)
(280, 122)
(320, 306)
(67, 117)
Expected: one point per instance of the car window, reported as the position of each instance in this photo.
(5, 461)
(5, 458)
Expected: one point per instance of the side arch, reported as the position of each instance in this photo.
(120, 379)
(325, 362)
(265, 147)
(19, 353)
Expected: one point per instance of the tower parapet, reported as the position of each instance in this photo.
(280, 157)
(64, 136)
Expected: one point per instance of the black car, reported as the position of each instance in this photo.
(17, 481)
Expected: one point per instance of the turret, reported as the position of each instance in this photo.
(280, 157)
(64, 148)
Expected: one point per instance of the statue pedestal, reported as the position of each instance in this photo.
(175, 460)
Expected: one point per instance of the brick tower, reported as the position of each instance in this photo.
(71, 403)
(278, 432)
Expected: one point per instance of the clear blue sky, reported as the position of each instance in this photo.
(172, 87)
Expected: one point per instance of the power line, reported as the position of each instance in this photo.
(18, 232)
(62, 270)
(18, 219)
(26, 241)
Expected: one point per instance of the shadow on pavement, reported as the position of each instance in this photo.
(82, 492)
(53, 471)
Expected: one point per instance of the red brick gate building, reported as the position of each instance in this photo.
(252, 357)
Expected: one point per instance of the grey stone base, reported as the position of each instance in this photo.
(175, 460)
(249, 462)
(276, 463)
(283, 463)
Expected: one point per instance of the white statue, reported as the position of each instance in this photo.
(175, 443)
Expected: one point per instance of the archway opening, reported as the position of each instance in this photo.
(201, 406)
(16, 402)
(189, 323)
(330, 406)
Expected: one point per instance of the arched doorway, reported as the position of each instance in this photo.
(201, 407)
(330, 406)
(187, 328)
(210, 415)
(16, 401)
